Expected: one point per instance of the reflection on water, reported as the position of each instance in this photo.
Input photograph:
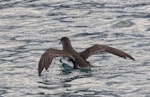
(29, 27)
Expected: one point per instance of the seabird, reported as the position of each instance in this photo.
(77, 58)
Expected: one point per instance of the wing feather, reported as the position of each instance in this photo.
(48, 56)
(103, 48)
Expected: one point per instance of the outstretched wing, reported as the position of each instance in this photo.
(48, 56)
(103, 48)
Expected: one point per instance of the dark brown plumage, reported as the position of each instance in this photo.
(79, 59)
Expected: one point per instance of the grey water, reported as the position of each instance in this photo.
(29, 27)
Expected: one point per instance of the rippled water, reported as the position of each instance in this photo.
(29, 27)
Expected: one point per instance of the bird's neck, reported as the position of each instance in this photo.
(67, 47)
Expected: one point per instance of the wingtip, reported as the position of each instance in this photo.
(39, 73)
(132, 58)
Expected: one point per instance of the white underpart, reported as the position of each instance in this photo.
(67, 62)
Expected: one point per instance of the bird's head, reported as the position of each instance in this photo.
(64, 40)
(65, 43)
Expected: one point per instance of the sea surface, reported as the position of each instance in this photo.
(29, 27)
